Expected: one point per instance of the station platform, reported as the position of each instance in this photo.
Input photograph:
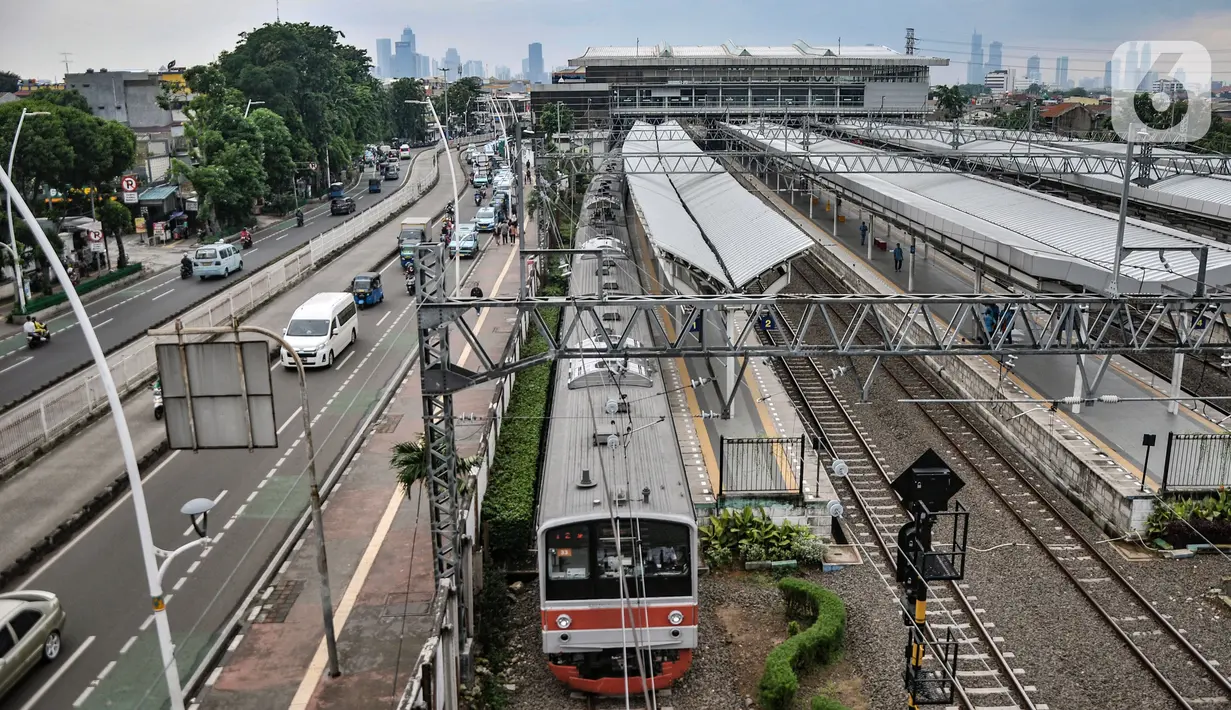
(1109, 436)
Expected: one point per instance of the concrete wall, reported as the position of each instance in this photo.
(896, 94)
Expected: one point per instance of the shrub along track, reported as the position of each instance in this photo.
(1164, 651)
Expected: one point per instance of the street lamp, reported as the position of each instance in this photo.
(252, 103)
(445, 71)
(457, 258)
(149, 553)
(12, 245)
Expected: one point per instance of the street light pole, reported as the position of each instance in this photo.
(252, 103)
(457, 258)
(445, 71)
(17, 275)
(148, 551)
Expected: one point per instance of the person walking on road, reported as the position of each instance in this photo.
(863, 233)
(897, 257)
(476, 292)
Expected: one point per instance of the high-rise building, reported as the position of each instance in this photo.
(403, 61)
(995, 57)
(435, 67)
(999, 82)
(1146, 69)
(1109, 73)
(1034, 69)
(1131, 77)
(1062, 72)
(423, 65)
(503, 73)
(409, 37)
(473, 67)
(384, 58)
(534, 69)
(525, 69)
(974, 70)
(452, 62)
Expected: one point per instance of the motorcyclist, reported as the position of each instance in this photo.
(29, 327)
(299, 217)
(478, 197)
(186, 263)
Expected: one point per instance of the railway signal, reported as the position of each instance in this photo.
(926, 486)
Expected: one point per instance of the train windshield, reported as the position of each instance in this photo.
(588, 560)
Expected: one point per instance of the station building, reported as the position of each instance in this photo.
(611, 87)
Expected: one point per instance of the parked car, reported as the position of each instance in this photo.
(344, 205)
(30, 627)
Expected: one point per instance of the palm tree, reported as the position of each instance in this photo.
(411, 464)
(950, 101)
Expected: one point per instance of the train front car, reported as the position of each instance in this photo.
(617, 528)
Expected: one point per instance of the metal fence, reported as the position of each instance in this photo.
(762, 466)
(1196, 463)
(40, 421)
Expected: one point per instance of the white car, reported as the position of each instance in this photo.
(485, 219)
(321, 329)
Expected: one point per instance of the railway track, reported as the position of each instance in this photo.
(1164, 651)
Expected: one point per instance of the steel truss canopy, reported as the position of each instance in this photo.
(882, 325)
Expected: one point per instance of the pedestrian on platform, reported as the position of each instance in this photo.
(897, 257)
(863, 233)
(476, 292)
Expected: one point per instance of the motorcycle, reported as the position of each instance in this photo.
(410, 283)
(477, 199)
(449, 209)
(158, 406)
(185, 271)
(38, 337)
(245, 241)
(299, 219)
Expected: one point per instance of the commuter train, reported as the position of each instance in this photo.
(617, 532)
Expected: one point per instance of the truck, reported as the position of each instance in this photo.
(415, 229)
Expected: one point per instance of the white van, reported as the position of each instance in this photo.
(404, 152)
(216, 260)
(321, 329)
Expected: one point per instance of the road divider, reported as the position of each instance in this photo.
(39, 423)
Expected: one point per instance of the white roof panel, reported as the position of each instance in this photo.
(708, 219)
(1046, 236)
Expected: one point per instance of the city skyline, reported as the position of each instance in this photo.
(399, 59)
(1088, 38)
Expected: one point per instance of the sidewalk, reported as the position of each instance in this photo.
(380, 561)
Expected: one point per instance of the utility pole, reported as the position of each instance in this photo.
(64, 56)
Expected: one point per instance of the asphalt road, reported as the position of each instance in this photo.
(119, 316)
(110, 657)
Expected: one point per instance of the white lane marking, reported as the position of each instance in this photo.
(382, 318)
(17, 364)
(90, 528)
(285, 425)
(253, 251)
(106, 670)
(193, 567)
(343, 363)
(64, 666)
(99, 325)
(179, 583)
(213, 677)
(127, 645)
(235, 643)
(284, 236)
(146, 624)
(162, 294)
(85, 694)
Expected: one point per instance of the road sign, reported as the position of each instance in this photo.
(94, 236)
(96, 242)
(128, 183)
(130, 198)
(311, 166)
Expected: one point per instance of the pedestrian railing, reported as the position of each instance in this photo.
(1196, 463)
(38, 423)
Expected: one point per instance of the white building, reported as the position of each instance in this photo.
(1170, 87)
(999, 82)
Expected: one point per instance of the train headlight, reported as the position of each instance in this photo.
(676, 618)
(564, 621)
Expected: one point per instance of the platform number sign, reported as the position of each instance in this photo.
(695, 326)
(1200, 320)
(767, 321)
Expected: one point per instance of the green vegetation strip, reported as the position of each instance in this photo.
(83, 288)
(818, 645)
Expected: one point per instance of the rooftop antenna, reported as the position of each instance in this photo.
(910, 41)
(65, 56)
(277, 11)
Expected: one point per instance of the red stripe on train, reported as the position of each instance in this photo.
(614, 618)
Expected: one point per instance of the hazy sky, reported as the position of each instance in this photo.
(133, 34)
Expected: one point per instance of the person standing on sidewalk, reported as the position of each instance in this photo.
(863, 233)
(897, 257)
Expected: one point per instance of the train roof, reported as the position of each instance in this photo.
(602, 401)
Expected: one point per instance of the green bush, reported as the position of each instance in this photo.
(819, 644)
(822, 702)
(752, 536)
(83, 288)
(1183, 521)
(509, 504)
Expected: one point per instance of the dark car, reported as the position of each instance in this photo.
(343, 205)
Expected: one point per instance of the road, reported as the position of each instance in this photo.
(111, 655)
(119, 316)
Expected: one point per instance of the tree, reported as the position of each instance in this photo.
(9, 82)
(408, 120)
(70, 98)
(117, 220)
(410, 461)
(277, 151)
(552, 119)
(949, 101)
